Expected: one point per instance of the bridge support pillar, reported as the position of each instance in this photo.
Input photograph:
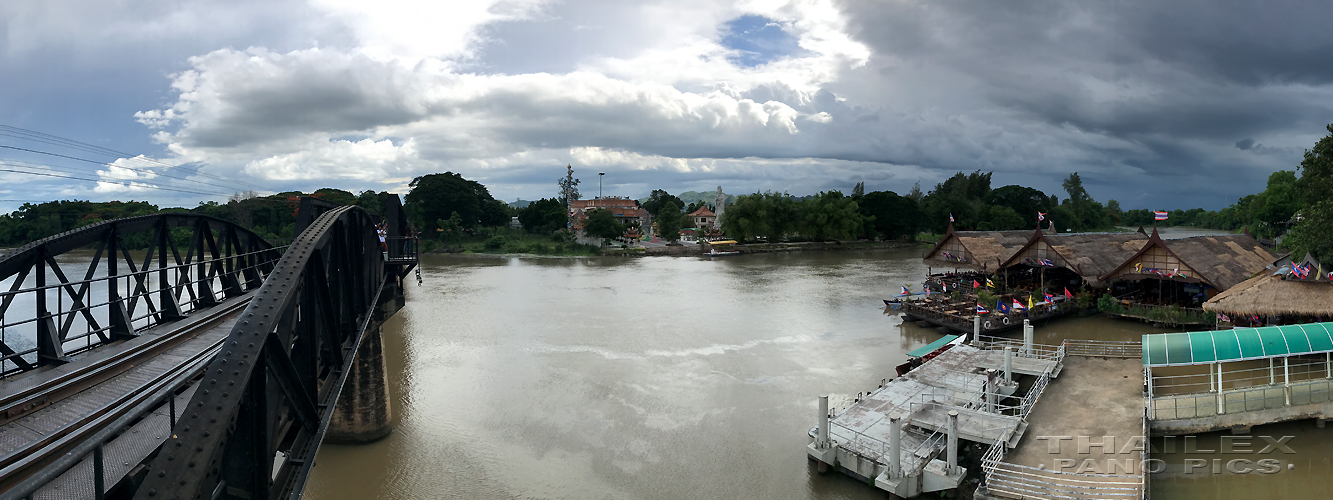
(362, 413)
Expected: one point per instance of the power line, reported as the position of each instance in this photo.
(132, 184)
(25, 134)
(108, 164)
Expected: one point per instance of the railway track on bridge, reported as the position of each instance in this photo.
(46, 414)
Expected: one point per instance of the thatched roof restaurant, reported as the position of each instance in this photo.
(980, 250)
(1221, 261)
(1089, 255)
(1298, 292)
(1269, 295)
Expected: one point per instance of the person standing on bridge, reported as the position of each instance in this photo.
(383, 233)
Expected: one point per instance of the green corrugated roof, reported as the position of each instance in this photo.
(1197, 348)
(929, 348)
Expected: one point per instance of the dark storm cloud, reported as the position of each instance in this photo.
(1174, 85)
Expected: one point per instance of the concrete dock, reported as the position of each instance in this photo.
(1084, 438)
(893, 437)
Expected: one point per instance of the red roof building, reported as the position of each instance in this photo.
(627, 211)
(703, 217)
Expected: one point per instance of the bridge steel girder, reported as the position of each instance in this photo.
(130, 295)
(253, 426)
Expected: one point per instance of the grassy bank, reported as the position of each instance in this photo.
(506, 240)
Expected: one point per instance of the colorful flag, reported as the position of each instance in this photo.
(1029, 301)
(1018, 306)
(950, 217)
(981, 309)
(927, 290)
(1159, 214)
(1041, 216)
(999, 306)
(1138, 267)
(906, 291)
(989, 284)
(1223, 318)
(1048, 298)
(975, 284)
(1067, 294)
(944, 286)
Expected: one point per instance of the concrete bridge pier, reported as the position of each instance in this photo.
(362, 414)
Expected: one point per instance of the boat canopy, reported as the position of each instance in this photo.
(722, 242)
(1240, 344)
(931, 347)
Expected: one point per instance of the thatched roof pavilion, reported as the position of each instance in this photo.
(1270, 295)
(1221, 261)
(1090, 255)
(980, 250)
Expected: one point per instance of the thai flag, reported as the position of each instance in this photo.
(981, 309)
(1018, 306)
(1159, 214)
(906, 291)
(1041, 216)
(950, 217)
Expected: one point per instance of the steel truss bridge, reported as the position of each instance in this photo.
(207, 366)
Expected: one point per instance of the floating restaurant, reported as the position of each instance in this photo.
(1069, 260)
(1168, 281)
(1295, 293)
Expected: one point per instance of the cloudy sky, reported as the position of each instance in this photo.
(1158, 104)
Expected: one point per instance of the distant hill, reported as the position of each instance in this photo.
(520, 203)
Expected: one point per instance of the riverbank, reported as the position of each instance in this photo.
(527, 244)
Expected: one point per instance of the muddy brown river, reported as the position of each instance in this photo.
(668, 378)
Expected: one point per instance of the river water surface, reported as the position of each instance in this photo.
(648, 378)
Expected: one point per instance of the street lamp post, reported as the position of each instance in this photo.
(599, 184)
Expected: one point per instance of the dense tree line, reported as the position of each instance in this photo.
(271, 217)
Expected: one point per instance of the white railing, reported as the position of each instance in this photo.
(1240, 400)
(1039, 351)
(1034, 393)
(1103, 348)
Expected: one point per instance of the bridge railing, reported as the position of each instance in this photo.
(77, 316)
(45, 316)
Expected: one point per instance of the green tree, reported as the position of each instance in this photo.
(338, 196)
(435, 195)
(890, 215)
(371, 201)
(659, 199)
(1003, 218)
(669, 224)
(451, 229)
(770, 215)
(602, 223)
(543, 216)
(1023, 201)
(1314, 230)
(495, 213)
(830, 215)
